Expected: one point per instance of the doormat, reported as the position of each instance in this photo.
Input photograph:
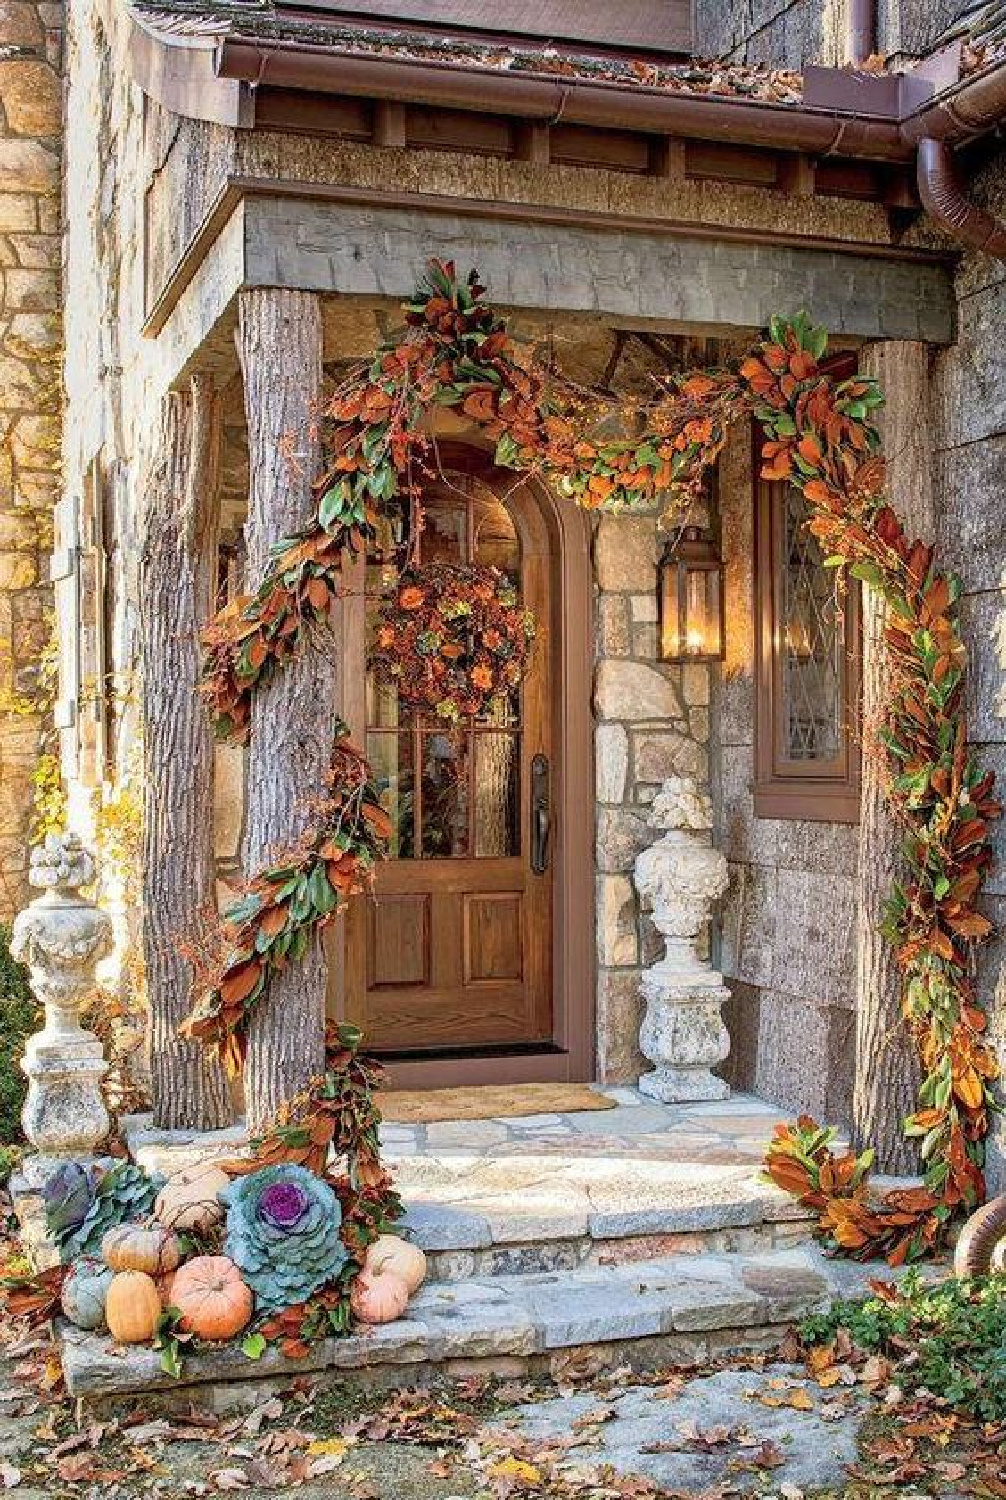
(426, 1106)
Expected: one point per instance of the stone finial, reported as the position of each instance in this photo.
(680, 804)
(62, 937)
(679, 878)
(61, 863)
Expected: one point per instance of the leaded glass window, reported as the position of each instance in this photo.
(807, 740)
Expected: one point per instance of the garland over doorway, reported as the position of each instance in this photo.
(456, 352)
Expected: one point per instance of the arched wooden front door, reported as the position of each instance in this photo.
(456, 959)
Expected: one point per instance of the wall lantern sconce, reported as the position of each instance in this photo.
(692, 622)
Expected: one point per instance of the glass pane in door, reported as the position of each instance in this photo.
(453, 792)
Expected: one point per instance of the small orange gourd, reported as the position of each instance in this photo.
(132, 1307)
(378, 1297)
(214, 1301)
(135, 1247)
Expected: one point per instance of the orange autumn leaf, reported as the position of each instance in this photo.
(239, 985)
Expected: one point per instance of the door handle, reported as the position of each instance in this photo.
(541, 814)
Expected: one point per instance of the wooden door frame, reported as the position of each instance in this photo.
(573, 1058)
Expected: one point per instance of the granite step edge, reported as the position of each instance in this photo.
(517, 1318)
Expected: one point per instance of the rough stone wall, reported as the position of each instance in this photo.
(969, 427)
(787, 925)
(31, 39)
(652, 721)
(781, 33)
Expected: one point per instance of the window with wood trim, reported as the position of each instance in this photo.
(807, 742)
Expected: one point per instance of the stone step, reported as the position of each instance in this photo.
(537, 1193)
(673, 1310)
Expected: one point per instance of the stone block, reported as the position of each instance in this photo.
(611, 762)
(441, 1226)
(621, 836)
(30, 92)
(644, 642)
(31, 290)
(617, 941)
(695, 685)
(969, 392)
(741, 1018)
(584, 1314)
(806, 1056)
(18, 570)
(643, 608)
(17, 211)
(984, 624)
(619, 1013)
(634, 690)
(747, 925)
(613, 626)
(27, 167)
(972, 525)
(815, 925)
(20, 25)
(625, 554)
(742, 837)
(657, 754)
(40, 251)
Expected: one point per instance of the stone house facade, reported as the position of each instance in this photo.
(643, 215)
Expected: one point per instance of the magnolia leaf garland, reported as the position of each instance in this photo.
(819, 435)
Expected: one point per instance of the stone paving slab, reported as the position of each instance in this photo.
(656, 1438)
(515, 1318)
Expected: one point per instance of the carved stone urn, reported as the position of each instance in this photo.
(61, 936)
(679, 879)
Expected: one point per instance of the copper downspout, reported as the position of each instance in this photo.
(860, 30)
(945, 201)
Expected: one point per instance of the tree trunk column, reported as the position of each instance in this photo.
(887, 1070)
(292, 720)
(177, 581)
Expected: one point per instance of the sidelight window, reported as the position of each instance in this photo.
(806, 732)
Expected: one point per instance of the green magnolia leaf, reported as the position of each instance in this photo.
(254, 1346)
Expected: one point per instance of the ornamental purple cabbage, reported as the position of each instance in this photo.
(283, 1227)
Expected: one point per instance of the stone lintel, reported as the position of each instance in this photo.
(627, 276)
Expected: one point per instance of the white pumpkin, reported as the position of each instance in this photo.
(389, 1252)
(189, 1200)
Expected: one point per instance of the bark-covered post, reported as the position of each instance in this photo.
(292, 721)
(177, 580)
(887, 1070)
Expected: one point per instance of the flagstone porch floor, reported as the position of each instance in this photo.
(541, 1193)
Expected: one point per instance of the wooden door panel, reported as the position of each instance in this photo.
(399, 941)
(493, 936)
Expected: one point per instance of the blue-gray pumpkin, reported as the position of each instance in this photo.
(85, 1290)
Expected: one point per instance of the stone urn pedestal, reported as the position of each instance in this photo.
(679, 878)
(61, 936)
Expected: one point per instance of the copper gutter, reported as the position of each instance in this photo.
(843, 128)
(571, 101)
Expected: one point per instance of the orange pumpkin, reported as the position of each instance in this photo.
(378, 1297)
(132, 1307)
(214, 1301)
(134, 1247)
(389, 1252)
